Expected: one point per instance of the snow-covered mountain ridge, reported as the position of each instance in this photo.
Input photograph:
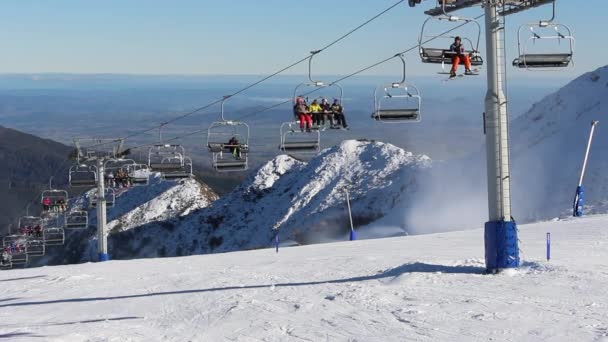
(304, 202)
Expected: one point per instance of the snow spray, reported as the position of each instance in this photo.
(548, 246)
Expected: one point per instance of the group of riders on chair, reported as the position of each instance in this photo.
(314, 116)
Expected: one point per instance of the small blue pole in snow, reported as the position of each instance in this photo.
(548, 246)
(353, 235)
(579, 201)
(276, 242)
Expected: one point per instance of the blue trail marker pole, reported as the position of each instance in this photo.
(276, 241)
(579, 198)
(353, 234)
(548, 246)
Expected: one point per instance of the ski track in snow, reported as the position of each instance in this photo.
(416, 288)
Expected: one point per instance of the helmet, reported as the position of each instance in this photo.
(457, 38)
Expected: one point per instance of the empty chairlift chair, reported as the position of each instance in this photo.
(77, 220)
(54, 236)
(110, 198)
(295, 141)
(139, 174)
(182, 172)
(534, 54)
(170, 161)
(36, 247)
(84, 176)
(398, 101)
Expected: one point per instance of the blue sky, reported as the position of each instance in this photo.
(240, 36)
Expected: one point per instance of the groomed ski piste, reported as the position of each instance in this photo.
(413, 288)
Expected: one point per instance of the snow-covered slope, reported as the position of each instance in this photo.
(548, 146)
(305, 202)
(415, 288)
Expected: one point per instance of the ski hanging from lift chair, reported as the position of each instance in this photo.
(226, 154)
(533, 58)
(397, 102)
(441, 55)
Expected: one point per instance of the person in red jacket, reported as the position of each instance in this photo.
(46, 204)
(302, 114)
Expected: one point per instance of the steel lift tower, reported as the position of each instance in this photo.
(501, 244)
(99, 151)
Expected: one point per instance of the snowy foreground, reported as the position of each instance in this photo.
(420, 288)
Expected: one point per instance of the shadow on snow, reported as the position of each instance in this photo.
(390, 273)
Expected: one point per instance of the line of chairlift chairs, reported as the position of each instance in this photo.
(36, 233)
(228, 140)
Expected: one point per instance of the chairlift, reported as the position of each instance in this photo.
(443, 55)
(293, 140)
(29, 225)
(18, 254)
(228, 143)
(110, 198)
(82, 175)
(163, 157)
(113, 167)
(54, 200)
(536, 56)
(35, 247)
(78, 219)
(185, 171)
(13, 240)
(54, 236)
(301, 92)
(397, 101)
(97, 148)
(6, 262)
(139, 174)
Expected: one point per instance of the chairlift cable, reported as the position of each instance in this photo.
(215, 102)
(263, 110)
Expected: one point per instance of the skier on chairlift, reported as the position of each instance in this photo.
(338, 113)
(235, 147)
(302, 114)
(46, 204)
(459, 56)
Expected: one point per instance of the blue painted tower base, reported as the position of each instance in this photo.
(579, 201)
(103, 257)
(502, 250)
